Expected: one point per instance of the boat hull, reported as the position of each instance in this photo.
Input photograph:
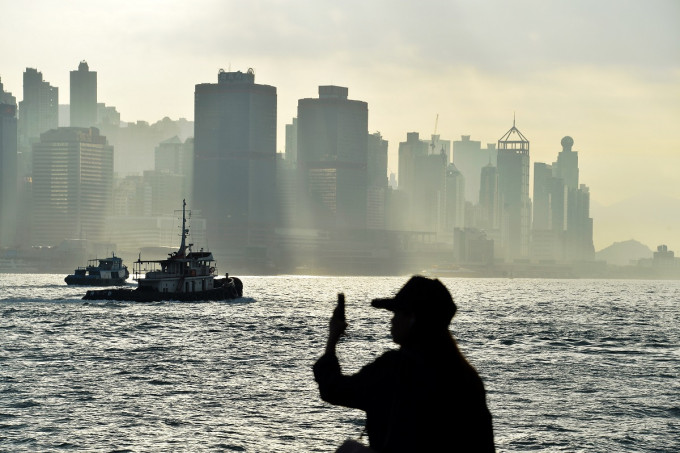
(229, 290)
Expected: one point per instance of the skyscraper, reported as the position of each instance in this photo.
(579, 225)
(549, 214)
(455, 198)
(291, 142)
(409, 151)
(513, 186)
(489, 198)
(562, 227)
(376, 169)
(8, 168)
(332, 157)
(470, 158)
(235, 160)
(566, 167)
(72, 185)
(173, 171)
(83, 110)
(423, 178)
(39, 109)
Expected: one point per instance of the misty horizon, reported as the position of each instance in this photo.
(554, 80)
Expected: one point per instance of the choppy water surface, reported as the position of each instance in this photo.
(569, 365)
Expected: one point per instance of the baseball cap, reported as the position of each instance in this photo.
(428, 299)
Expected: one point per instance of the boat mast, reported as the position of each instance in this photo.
(185, 231)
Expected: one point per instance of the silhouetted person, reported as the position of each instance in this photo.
(423, 397)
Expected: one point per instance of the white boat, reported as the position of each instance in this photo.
(100, 272)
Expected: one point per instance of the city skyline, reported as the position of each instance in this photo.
(565, 69)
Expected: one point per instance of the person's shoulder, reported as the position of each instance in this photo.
(386, 360)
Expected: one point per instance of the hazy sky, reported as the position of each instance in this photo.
(605, 72)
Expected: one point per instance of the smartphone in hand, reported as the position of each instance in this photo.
(339, 312)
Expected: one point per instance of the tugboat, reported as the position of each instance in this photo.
(100, 272)
(184, 276)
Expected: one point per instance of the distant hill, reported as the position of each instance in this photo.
(622, 253)
(650, 218)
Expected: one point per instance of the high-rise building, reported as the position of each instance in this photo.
(234, 184)
(409, 151)
(291, 142)
(173, 171)
(562, 227)
(470, 158)
(489, 198)
(579, 240)
(332, 157)
(376, 164)
(72, 185)
(39, 109)
(423, 178)
(376, 168)
(8, 169)
(513, 186)
(6, 97)
(566, 167)
(455, 198)
(549, 214)
(83, 111)
(579, 225)
(176, 157)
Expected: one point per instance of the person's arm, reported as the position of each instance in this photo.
(334, 387)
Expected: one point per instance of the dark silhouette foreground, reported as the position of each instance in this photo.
(423, 397)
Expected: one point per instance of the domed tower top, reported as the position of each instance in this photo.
(83, 66)
(567, 142)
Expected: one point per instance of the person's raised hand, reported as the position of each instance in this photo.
(337, 325)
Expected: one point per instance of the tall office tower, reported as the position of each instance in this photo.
(542, 200)
(549, 214)
(83, 96)
(287, 192)
(72, 185)
(428, 197)
(291, 141)
(422, 178)
(173, 164)
(8, 169)
(376, 168)
(579, 240)
(470, 158)
(513, 186)
(562, 227)
(455, 199)
(566, 166)
(489, 198)
(39, 110)
(376, 163)
(234, 184)
(579, 225)
(409, 150)
(332, 157)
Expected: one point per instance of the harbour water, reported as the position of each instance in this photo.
(569, 365)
